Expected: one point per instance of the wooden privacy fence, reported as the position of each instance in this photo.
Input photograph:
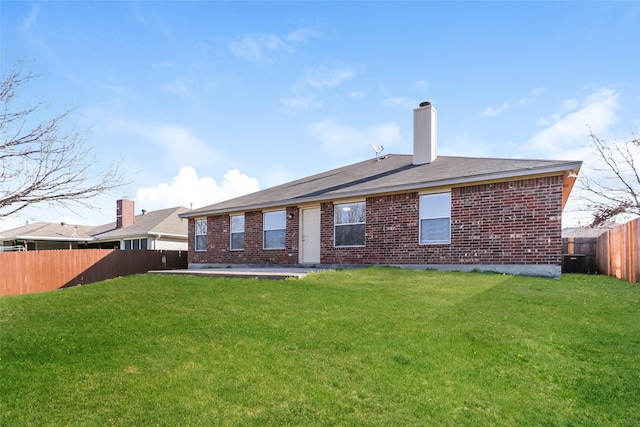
(619, 252)
(39, 271)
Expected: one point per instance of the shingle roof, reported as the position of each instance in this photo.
(49, 231)
(395, 172)
(164, 221)
(598, 230)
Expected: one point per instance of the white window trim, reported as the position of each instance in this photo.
(128, 244)
(335, 224)
(195, 234)
(421, 218)
(264, 230)
(232, 233)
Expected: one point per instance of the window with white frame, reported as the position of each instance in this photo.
(134, 244)
(275, 230)
(237, 233)
(201, 235)
(349, 224)
(435, 218)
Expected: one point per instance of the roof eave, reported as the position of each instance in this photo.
(52, 239)
(120, 237)
(153, 234)
(159, 234)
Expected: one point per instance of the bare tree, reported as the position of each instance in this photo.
(42, 161)
(613, 185)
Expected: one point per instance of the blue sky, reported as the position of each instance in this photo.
(203, 101)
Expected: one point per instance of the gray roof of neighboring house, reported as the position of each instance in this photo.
(49, 231)
(591, 232)
(396, 172)
(164, 222)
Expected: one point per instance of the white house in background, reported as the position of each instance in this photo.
(161, 229)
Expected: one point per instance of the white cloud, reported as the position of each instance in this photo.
(302, 102)
(303, 35)
(260, 48)
(565, 107)
(151, 21)
(178, 143)
(495, 111)
(491, 111)
(29, 20)
(178, 86)
(537, 91)
(341, 140)
(187, 189)
(568, 128)
(181, 145)
(304, 94)
(323, 77)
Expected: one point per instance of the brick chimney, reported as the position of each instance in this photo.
(125, 213)
(424, 134)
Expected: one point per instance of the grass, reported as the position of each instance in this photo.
(376, 346)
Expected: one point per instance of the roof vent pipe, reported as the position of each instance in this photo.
(424, 134)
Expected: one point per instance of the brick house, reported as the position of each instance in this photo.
(419, 210)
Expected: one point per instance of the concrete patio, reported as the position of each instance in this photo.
(273, 273)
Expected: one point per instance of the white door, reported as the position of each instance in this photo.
(310, 246)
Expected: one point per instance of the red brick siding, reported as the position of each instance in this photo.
(218, 239)
(516, 222)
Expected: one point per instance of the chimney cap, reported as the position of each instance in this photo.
(425, 104)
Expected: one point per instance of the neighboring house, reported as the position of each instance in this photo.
(161, 229)
(586, 232)
(598, 230)
(422, 210)
(45, 235)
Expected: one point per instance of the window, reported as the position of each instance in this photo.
(135, 244)
(201, 234)
(237, 233)
(275, 230)
(435, 218)
(349, 224)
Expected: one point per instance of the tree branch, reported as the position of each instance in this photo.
(617, 186)
(46, 163)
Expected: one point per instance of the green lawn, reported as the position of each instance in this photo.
(376, 346)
